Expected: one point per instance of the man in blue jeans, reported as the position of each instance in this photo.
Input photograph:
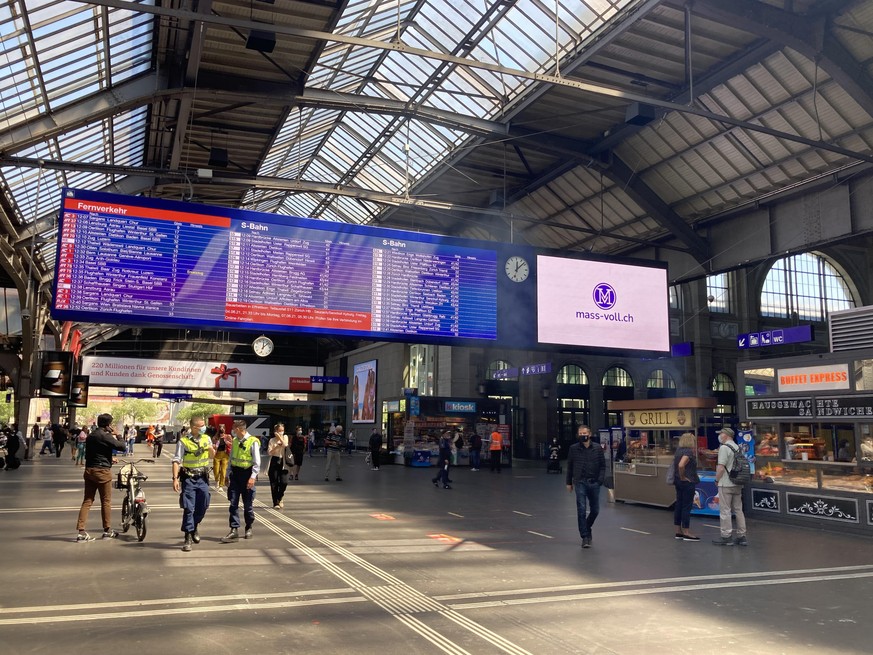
(245, 464)
(586, 470)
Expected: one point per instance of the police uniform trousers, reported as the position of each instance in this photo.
(239, 478)
(194, 500)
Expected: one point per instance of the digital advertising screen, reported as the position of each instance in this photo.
(602, 304)
(146, 261)
(57, 371)
(79, 391)
(364, 392)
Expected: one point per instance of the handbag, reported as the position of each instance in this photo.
(288, 457)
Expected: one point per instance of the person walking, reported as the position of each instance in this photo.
(191, 479)
(730, 495)
(245, 464)
(13, 444)
(375, 444)
(223, 443)
(277, 473)
(586, 470)
(98, 477)
(310, 442)
(685, 480)
(475, 451)
(158, 445)
(130, 434)
(298, 445)
(59, 437)
(46, 440)
(496, 450)
(81, 438)
(333, 449)
(73, 436)
(445, 458)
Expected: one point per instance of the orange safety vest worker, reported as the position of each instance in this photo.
(496, 441)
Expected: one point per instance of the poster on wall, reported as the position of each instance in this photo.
(57, 369)
(364, 392)
(79, 391)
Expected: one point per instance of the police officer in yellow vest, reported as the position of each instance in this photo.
(191, 477)
(245, 463)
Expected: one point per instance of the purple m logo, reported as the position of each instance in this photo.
(604, 296)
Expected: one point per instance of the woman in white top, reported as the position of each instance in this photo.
(277, 473)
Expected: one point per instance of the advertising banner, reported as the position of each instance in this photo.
(186, 374)
(364, 392)
(79, 391)
(57, 370)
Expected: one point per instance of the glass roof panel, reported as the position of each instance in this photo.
(527, 37)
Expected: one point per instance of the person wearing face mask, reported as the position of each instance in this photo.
(191, 479)
(730, 495)
(245, 464)
(586, 470)
(277, 473)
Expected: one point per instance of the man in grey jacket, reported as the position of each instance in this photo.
(586, 470)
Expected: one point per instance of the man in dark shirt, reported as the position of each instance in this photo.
(586, 470)
(445, 458)
(98, 476)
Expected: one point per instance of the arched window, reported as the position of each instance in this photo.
(807, 286)
(675, 296)
(660, 379)
(572, 403)
(571, 374)
(722, 382)
(498, 365)
(617, 377)
(725, 393)
(719, 292)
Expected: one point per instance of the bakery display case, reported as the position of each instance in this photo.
(812, 418)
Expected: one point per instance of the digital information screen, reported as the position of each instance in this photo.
(135, 260)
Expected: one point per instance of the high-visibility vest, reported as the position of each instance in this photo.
(196, 452)
(496, 441)
(241, 453)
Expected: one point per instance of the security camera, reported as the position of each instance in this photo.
(710, 298)
(25, 314)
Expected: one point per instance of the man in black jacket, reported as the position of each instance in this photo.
(586, 470)
(98, 476)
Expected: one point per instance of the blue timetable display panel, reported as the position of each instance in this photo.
(135, 260)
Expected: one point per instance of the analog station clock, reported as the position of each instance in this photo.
(262, 346)
(517, 269)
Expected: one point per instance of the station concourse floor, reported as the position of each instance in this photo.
(383, 562)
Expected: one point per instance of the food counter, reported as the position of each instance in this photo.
(652, 428)
(644, 481)
(812, 417)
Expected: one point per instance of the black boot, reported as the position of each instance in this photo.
(186, 547)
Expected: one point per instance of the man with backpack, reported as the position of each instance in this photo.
(730, 494)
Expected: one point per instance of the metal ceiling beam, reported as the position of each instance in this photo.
(196, 31)
(555, 80)
(811, 38)
(633, 185)
(131, 185)
(128, 95)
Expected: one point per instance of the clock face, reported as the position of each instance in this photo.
(517, 268)
(262, 346)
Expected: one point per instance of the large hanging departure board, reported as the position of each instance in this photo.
(134, 260)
